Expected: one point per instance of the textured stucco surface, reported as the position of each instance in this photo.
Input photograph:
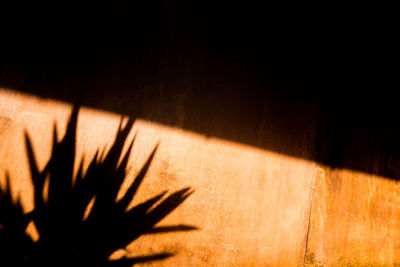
(354, 221)
(251, 205)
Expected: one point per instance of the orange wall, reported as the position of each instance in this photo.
(251, 205)
(354, 221)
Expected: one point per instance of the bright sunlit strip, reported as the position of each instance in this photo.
(250, 203)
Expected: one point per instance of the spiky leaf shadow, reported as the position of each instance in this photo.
(14, 243)
(67, 234)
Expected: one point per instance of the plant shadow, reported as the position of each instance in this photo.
(79, 219)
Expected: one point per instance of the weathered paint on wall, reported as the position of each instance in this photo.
(354, 220)
(251, 205)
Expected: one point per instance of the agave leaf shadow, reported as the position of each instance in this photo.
(14, 243)
(66, 233)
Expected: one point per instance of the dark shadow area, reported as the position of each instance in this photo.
(79, 220)
(248, 73)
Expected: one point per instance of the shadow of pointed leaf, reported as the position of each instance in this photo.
(92, 235)
(167, 206)
(15, 245)
(173, 228)
(128, 197)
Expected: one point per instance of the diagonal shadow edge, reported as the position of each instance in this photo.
(330, 131)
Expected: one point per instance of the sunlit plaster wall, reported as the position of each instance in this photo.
(354, 221)
(251, 206)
